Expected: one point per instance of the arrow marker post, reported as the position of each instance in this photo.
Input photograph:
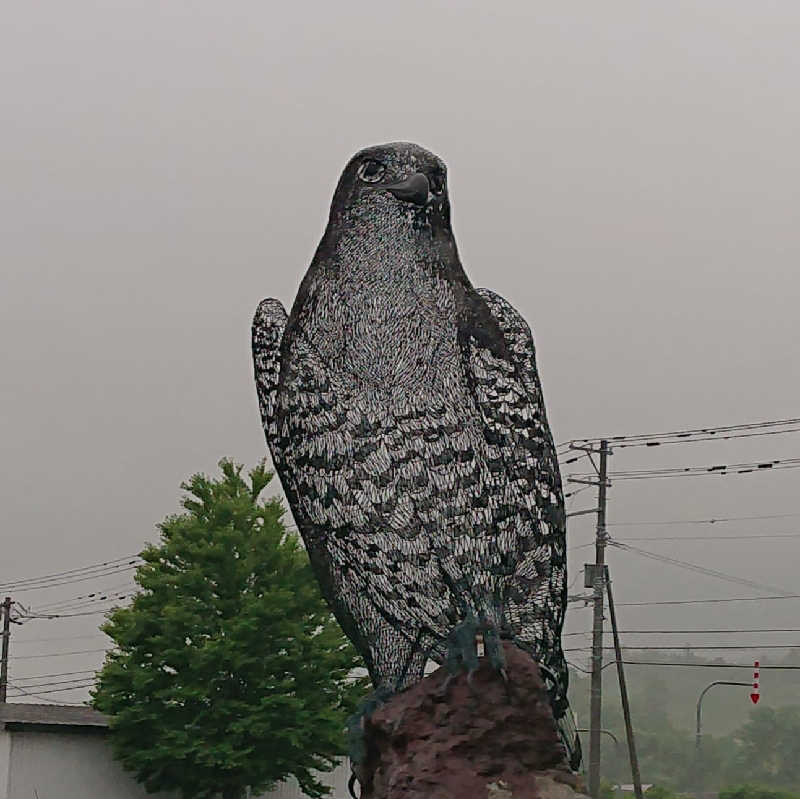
(756, 693)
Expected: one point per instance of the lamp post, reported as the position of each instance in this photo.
(606, 732)
(698, 736)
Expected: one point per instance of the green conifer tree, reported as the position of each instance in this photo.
(229, 669)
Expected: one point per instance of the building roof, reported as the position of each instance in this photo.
(67, 715)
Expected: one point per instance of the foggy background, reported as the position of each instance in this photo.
(625, 173)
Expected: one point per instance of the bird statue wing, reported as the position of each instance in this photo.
(269, 323)
(506, 388)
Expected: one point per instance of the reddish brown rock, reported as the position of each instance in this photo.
(446, 739)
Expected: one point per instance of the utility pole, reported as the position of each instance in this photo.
(598, 579)
(6, 607)
(623, 692)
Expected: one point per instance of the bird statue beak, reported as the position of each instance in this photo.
(414, 189)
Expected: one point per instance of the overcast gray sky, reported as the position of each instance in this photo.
(625, 173)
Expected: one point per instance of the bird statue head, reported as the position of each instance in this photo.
(393, 185)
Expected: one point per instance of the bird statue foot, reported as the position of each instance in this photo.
(467, 643)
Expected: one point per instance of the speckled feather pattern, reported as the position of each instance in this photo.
(404, 414)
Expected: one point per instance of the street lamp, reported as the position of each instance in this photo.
(698, 736)
(607, 732)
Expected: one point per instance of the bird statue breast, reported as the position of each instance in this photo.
(404, 414)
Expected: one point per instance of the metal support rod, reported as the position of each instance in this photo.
(698, 734)
(6, 608)
(597, 629)
(605, 732)
(623, 692)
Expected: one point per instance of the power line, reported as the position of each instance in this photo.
(694, 567)
(55, 682)
(720, 520)
(60, 690)
(57, 674)
(756, 536)
(99, 596)
(39, 696)
(748, 666)
(709, 601)
(50, 616)
(687, 440)
(729, 431)
(697, 632)
(722, 470)
(58, 638)
(96, 595)
(58, 654)
(68, 575)
(123, 567)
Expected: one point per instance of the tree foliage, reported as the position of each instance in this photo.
(753, 746)
(229, 669)
(768, 749)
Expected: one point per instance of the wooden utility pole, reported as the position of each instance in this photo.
(598, 579)
(6, 607)
(623, 692)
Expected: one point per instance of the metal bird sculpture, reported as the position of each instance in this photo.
(404, 414)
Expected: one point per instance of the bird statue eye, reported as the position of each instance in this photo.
(436, 181)
(371, 171)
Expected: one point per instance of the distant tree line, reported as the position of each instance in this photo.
(763, 750)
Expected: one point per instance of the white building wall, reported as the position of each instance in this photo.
(79, 765)
(5, 761)
(66, 765)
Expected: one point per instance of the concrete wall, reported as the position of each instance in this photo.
(66, 765)
(78, 764)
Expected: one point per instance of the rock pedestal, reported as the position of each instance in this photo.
(450, 738)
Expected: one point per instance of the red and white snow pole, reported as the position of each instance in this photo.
(756, 693)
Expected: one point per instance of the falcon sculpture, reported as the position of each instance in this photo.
(404, 414)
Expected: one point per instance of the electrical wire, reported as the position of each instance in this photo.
(693, 632)
(100, 596)
(58, 654)
(729, 431)
(721, 520)
(55, 682)
(57, 674)
(706, 601)
(51, 616)
(61, 690)
(70, 573)
(723, 470)
(47, 640)
(694, 567)
(658, 443)
(39, 696)
(123, 567)
(95, 596)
